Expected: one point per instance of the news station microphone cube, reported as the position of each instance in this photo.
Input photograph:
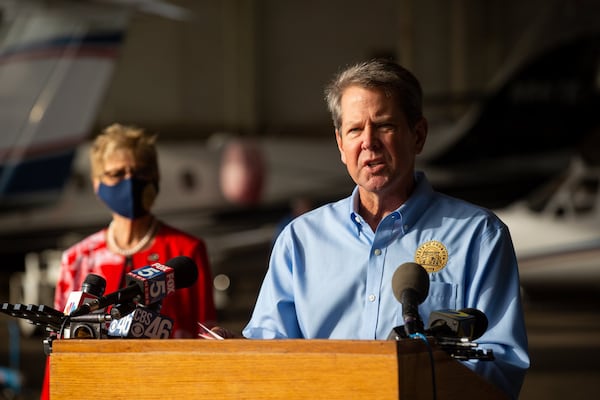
(156, 281)
(76, 299)
(458, 323)
(142, 323)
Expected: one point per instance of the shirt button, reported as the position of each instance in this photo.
(377, 252)
(371, 297)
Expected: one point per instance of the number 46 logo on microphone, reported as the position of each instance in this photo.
(141, 323)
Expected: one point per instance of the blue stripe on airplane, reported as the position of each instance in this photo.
(91, 40)
(39, 174)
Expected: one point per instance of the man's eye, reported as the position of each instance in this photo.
(386, 127)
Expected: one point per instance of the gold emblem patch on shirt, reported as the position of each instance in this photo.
(432, 255)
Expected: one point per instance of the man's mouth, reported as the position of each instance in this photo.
(374, 163)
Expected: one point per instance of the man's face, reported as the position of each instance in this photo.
(375, 141)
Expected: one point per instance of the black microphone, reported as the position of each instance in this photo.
(454, 331)
(148, 284)
(92, 287)
(469, 323)
(410, 285)
(481, 322)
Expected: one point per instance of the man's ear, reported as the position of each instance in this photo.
(340, 144)
(420, 131)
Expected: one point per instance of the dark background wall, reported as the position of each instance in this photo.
(259, 66)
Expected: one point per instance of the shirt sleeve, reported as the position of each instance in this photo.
(274, 315)
(495, 288)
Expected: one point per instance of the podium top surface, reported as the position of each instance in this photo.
(261, 369)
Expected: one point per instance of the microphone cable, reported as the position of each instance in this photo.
(421, 336)
(65, 321)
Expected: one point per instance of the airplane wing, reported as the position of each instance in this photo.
(537, 112)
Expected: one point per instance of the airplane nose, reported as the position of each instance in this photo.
(242, 172)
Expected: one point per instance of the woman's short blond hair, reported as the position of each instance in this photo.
(124, 137)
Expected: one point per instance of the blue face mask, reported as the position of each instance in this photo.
(131, 198)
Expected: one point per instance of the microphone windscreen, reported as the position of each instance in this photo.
(185, 269)
(94, 284)
(481, 321)
(410, 276)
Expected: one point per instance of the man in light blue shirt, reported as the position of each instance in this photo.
(330, 272)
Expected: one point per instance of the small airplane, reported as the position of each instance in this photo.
(556, 229)
(56, 61)
(52, 65)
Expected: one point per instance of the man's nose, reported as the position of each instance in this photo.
(370, 138)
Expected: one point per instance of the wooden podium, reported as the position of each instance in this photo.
(258, 369)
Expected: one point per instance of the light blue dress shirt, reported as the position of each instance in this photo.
(330, 276)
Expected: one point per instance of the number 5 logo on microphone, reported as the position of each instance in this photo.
(157, 281)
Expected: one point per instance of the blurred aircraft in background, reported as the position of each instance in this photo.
(55, 65)
(556, 229)
(539, 111)
(56, 62)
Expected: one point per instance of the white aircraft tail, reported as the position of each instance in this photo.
(55, 65)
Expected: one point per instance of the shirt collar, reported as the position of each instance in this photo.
(354, 216)
(409, 212)
(417, 203)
